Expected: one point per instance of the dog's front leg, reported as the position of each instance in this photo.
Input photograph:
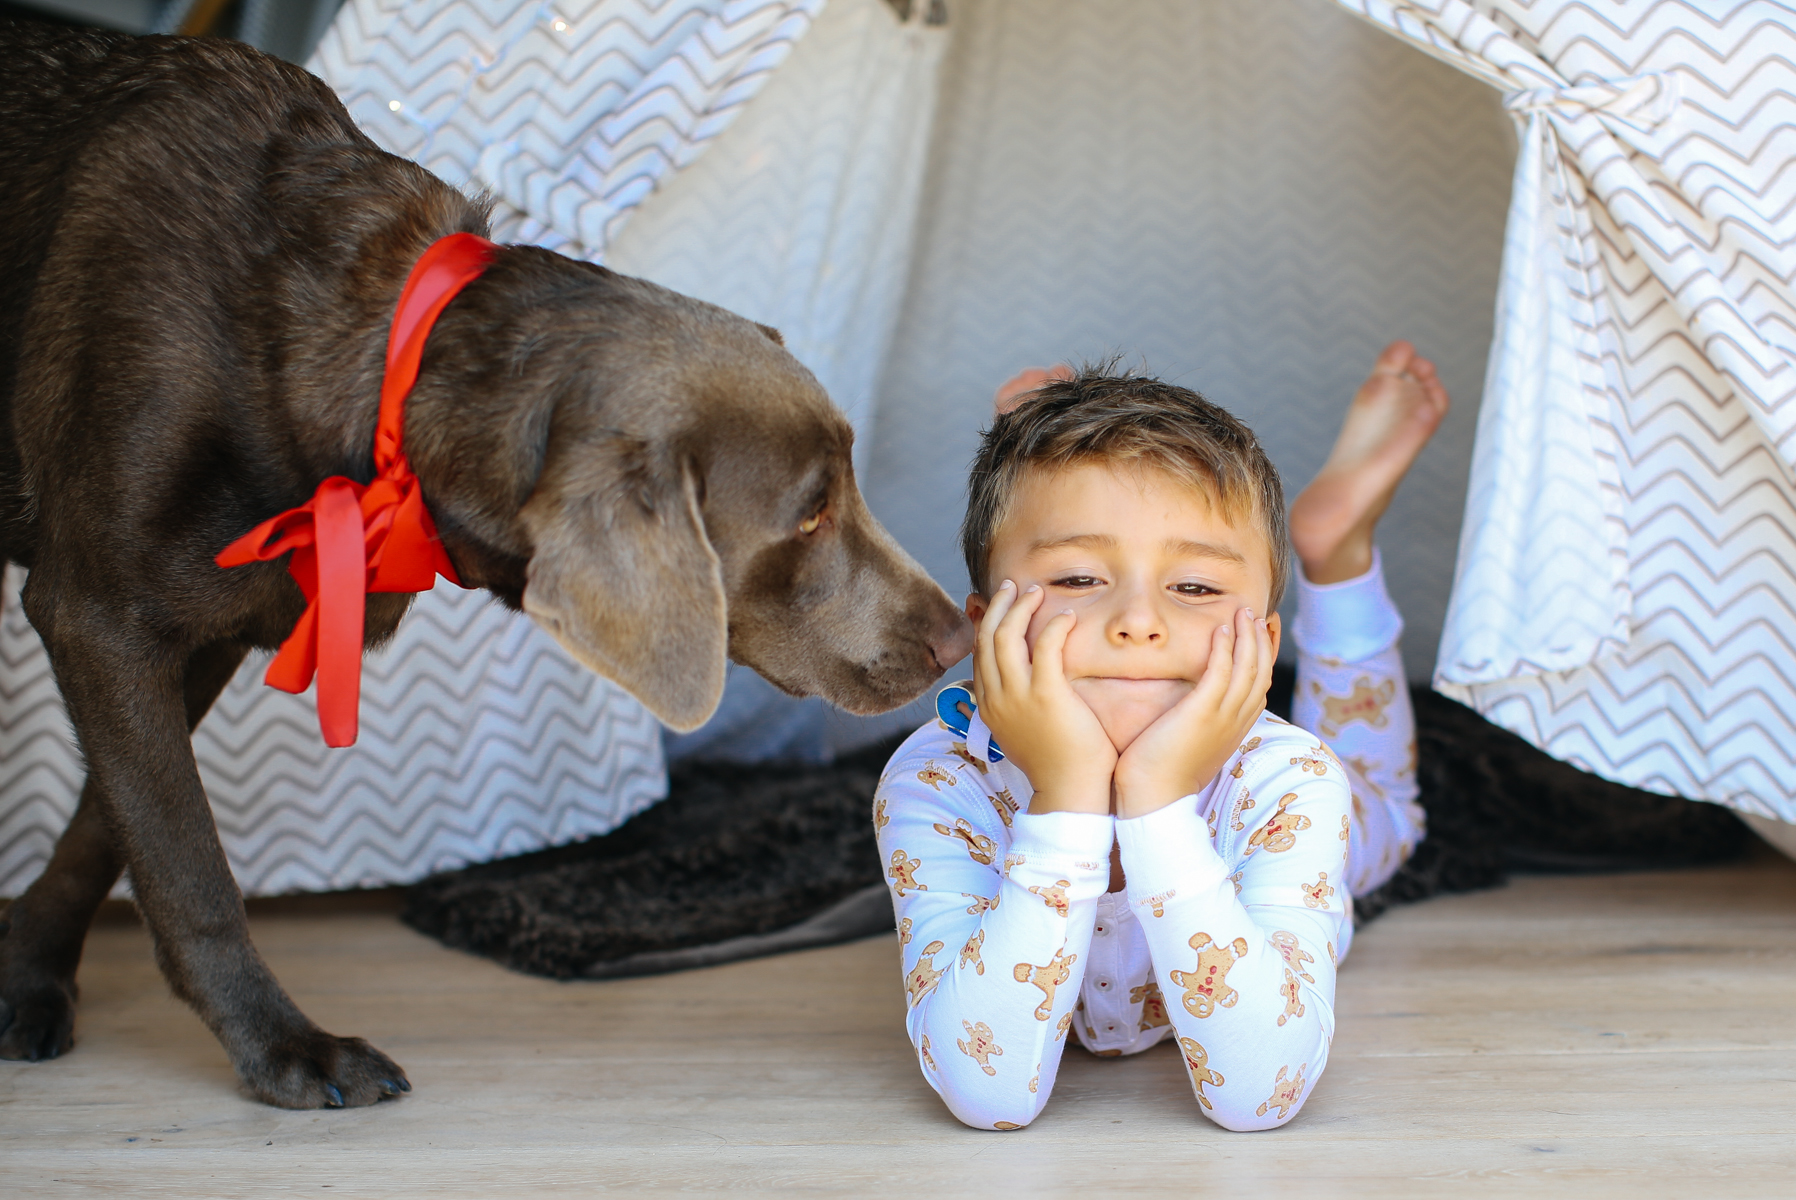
(125, 695)
(40, 944)
(44, 929)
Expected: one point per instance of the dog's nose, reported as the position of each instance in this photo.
(952, 642)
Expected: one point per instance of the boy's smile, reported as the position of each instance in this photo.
(1148, 566)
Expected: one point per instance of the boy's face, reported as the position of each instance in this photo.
(1149, 568)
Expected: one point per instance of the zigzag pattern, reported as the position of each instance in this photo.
(480, 737)
(1249, 198)
(803, 216)
(571, 111)
(1661, 149)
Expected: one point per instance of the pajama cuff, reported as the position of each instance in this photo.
(1348, 621)
(1064, 836)
(1168, 850)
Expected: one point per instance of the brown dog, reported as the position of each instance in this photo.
(199, 259)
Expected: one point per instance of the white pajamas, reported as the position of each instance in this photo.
(1236, 912)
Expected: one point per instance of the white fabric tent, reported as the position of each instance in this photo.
(922, 209)
(1626, 574)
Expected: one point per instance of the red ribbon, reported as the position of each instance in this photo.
(349, 539)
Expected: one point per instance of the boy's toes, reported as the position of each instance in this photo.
(1396, 358)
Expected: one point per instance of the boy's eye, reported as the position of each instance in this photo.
(1195, 589)
(1077, 581)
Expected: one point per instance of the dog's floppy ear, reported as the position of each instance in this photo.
(772, 333)
(623, 576)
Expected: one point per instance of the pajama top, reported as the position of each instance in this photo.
(1227, 937)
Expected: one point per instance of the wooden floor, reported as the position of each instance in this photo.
(1623, 1035)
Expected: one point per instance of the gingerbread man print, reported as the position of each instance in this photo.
(1313, 761)
(1365, 703)
(904, 932)
(1206, 986)
(1280, 832)
(1197, 1065)
(979, 1046)
(1048, 977)
(969, 953)
(980, 848)
(1004, 803)
(1055, 897)
(959, 750)
(903, 873)
(928, 1058)
(1153, 1005)
(1292, 951)
(1315, 895)
(924, 976)
(1365, 771)
(1289, 989)
(980, 904)
(1062, 1025)
(934, 776)
(1157, 902)
(1242, 805)
(880, 817)
(1285, 1093)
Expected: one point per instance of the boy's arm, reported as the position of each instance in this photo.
(995, 922)
(1248, 979)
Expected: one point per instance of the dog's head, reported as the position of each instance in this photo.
(661, 486)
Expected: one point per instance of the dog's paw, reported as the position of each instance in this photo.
(314, 1069)
(37, 1020)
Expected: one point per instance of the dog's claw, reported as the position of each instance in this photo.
(335, 1097)
(392, 1087)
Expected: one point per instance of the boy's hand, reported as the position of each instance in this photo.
(1044, 727)
(1183, 750)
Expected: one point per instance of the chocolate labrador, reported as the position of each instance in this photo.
(199, 261)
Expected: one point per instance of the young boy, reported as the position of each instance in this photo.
(1106, 836)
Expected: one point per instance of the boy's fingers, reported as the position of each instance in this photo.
(1263, 678)
(1212, 686)
(1009, 648)
(1049, 659)
(985, 662)
(1247, 658)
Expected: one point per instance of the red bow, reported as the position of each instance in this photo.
(350, 540)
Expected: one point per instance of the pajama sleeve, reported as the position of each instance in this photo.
(995, 913)
(1249, 978)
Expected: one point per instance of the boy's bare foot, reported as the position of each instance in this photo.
(1392, 416)
(1011, 392)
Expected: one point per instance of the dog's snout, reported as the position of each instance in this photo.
(952, 641)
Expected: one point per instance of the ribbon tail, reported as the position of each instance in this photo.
(293, 668)
(342, 588)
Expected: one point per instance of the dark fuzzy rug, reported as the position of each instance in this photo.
(741, 861)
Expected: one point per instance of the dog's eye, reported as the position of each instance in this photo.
(811, 523)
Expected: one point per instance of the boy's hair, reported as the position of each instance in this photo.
(1125, 420)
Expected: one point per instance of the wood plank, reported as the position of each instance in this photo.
(1588, 1036)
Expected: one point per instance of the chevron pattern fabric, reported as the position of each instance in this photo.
(571, 111)
(1247, 198)
(1626, 590)
(479, 738)
(803, 215)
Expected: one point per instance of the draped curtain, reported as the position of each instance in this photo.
(1626, 583)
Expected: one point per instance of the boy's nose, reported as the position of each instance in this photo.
(1136, 621)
